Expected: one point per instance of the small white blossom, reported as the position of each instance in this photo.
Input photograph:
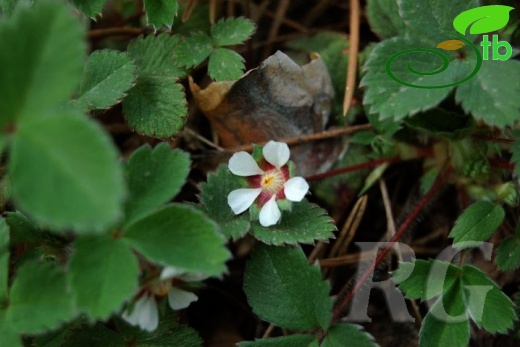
(267, 184)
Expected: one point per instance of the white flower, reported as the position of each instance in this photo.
(145, 313)
(268, 184)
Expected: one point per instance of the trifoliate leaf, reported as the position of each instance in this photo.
(213, 198)
(425, 279)
(305, 223)
(155, 107)
(46, 53)
(79, 182)
(192, 50)
(154, 177)
(477, 223)
(482, 20)
(446, 323)
(384, 18)
(282, 341)
(161, 12)
(104, 273)
(489, 307)
(283, 289)
(40, 299)
(341, 335)
(491, 95)
(4, 260)
(232, 31)
(107, 77)
(508, 254)
(90, 8)
(225, 65)
(515, 157)
(391, 99)
(182, 237)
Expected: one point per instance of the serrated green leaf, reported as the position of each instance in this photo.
(104, 273)
(342, 334)
(384, 18)
(197, 22)
(515, 156)
(4, 261)
(97, 335)
(439, 330)
(383, 126)
(192, 50)
(432, 20)
(491, 95)
(508, 254)
(156, 107)
(213, 198)
(483, 19)
(283, 289)
(497, 315)
(305, 223)
(425, 279)
(79, 182)
(40, 299)
(232, 31)
(446, 124)
(477, 223)
(161, 12)
(154, 177)
(182, 237)
(46, 52)
(90, 8)
(225, 65)
(107, 77)
(282, 341)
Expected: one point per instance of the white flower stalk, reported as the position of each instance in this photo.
(268, 182)
(144, 312)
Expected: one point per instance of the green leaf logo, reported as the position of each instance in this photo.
(482, 19)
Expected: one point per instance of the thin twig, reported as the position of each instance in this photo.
(350, 227)
(97, 33)
(283, 5)
(356, 167)
(350, 85)
(203, 139)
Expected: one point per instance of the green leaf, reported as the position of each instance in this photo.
(497, 315)
(180, 236)
(9, 337)
(90, 8)
(213, 198)
(161, 12)
(423, 279)
(40, 299)
(107, 77)
(491, 95)
(508, 254)
(351, 335)
(104, 273)
(283, 289)
(305, 223)
(483, 19)
(477, 223)
(515, 156)
(78, 182)
(155, 107)
(22, 230)
(384, 18)
(282, 341)
(432, 20)
(154, 177)
(442, 123)
(383, 126)
(46, 52)
(194, 49)
(97, 335)
(4, 261)
(437, 330)
(232, 31)
(225, 65)
(7, 7)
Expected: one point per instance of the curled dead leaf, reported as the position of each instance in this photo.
(451, 45)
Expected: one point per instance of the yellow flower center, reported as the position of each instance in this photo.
(162, 288)
(272, 181)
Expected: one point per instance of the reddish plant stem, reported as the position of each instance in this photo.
(501, 164)
(411, 217)
(342, 170)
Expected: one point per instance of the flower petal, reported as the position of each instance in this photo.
(241, 199)
(193, 277)
(179, 299)
(270, 214)
(144, 314)
(243, 164)
(276, 153)
(171, 272)
(296, 188)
